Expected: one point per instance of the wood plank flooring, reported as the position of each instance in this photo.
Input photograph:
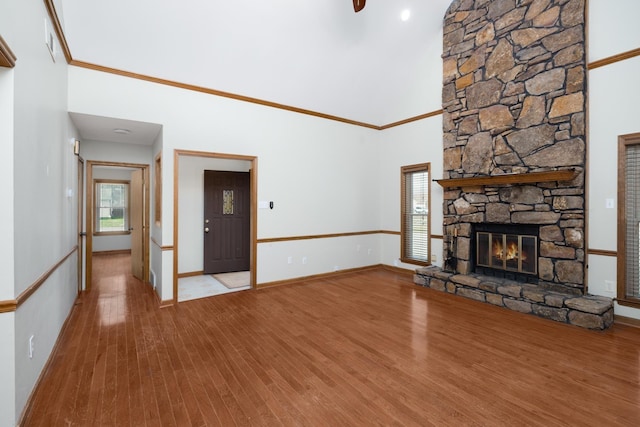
(361, 349)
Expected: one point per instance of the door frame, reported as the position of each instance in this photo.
(81, 234)
(90, 220)
(253, 203)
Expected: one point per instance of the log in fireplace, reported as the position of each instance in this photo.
(506, 250)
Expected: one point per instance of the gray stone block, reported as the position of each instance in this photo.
(533, 293)
(557, 314)
(437, 285)
(420, 280)
(517, 305)
(511, 290)
(586, 320)
(554, 300)
(466, 280)
(494, 299)
(590, 304)
(608, 318)
(472, 294)
(451, 287)
(489, 286)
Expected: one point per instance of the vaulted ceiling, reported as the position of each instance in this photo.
(369, 66)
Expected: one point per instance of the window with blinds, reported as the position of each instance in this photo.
(415, 217)
(629, 221)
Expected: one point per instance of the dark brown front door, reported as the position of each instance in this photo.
(226, 225)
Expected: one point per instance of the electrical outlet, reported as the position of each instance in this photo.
(304, 259)
(289, 260)
(434, 258)
(31, 347)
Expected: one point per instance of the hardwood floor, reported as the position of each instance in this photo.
(364, 349)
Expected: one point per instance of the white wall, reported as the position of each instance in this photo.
(114, 152)
(413, 143)
(41, 194)
(6, 191)
(614, 91)
(316, 256)
(612, 28)
(320, 174)
(7, 320)
(8, 411)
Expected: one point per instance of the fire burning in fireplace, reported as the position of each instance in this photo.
(506, 253)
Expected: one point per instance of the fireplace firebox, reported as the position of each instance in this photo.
(506, 250)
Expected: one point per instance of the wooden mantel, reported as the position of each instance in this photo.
(509, 178)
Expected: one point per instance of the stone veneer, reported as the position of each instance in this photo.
(514, 103)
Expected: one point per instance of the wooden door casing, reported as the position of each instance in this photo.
(136, 218)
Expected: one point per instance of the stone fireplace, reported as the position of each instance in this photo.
(514, 104)
(514, 153)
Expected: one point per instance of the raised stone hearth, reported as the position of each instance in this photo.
(586, 311)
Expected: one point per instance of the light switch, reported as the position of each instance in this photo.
(610, 203)
(263, 204)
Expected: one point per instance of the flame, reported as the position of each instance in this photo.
(508, 253)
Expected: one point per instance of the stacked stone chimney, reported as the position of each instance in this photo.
(514, 103)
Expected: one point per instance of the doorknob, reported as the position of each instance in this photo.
(206, 221)
(206, 229)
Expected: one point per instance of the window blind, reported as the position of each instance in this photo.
(415, 214)
(632, 215)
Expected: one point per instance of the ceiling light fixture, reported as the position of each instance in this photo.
(122, 131)
(405, 15)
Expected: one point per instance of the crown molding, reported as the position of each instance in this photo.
(215, 92)
(51, 10)
(7, 57)
(82, 64)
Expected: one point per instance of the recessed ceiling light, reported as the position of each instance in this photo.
(405, 15)
(122, 131)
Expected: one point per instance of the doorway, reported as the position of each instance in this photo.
(189, 218)
(137, 225)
